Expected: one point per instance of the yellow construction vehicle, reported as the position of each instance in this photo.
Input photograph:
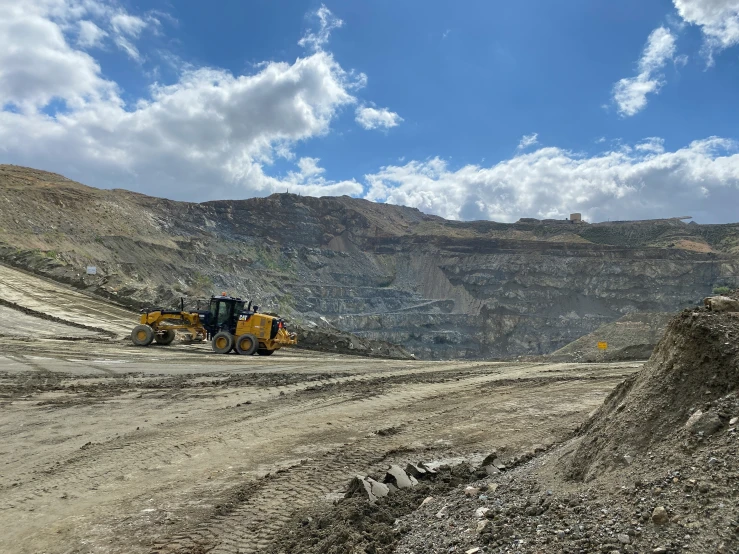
(229, 323)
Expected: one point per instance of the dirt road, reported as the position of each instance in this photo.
(108, 448)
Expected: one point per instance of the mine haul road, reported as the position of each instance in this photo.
(105, 447)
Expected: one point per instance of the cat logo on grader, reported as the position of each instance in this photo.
(229, 324)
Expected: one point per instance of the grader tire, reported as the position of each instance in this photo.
(247, 344)
(142, 335)
(166, 337)
(223, 342)
(265, 352)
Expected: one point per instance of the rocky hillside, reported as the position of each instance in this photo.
(441, 288)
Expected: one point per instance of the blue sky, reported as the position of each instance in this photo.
(471, 110)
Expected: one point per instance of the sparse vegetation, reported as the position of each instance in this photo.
(721, 290)
(274, 262)
(201, 284)
(286, 303)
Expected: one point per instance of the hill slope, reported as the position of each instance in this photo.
(441, 288)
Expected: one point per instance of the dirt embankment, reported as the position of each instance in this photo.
(326, 338)
(696, 362)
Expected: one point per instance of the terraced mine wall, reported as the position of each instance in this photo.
(442, 289)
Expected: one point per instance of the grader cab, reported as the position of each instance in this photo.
(229, 323)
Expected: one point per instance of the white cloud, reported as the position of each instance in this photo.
(655, 145)
(327, 22)
(90, 35)
(37, 64)
(126, 29)
(701, 180)
(127, 24)
(718, 19)
(128, 47)
(309, 180)
(528, 140)
(630, 94)
(376, 118)
(210, 134)
(90, 21)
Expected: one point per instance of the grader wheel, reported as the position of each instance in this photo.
(142, 335)
(223, 342)
(166, 337)
(246, 344)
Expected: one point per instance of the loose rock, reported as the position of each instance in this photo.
(659, 516)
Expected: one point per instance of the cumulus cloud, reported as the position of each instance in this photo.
(701, 180)
(310, 180)
(210, 125)
(209, 134)
(37, 64)
(630, 94)
(718, 19)
(528, 140)
(376, 118)
(327, 22)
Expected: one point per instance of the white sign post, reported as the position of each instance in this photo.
(92, 270)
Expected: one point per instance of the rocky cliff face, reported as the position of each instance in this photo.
(443, 289)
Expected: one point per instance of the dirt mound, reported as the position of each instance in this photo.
(697, 361)
(326, 338)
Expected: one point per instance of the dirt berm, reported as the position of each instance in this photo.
(695, 362)
(326, 338)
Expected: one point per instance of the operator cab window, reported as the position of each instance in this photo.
(221, 312)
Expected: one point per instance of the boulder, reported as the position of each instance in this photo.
(704, 423)
(721, 304)
(396, 476)
(367, 487)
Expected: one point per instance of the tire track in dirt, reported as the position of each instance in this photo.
(165, 446)
(25, 360)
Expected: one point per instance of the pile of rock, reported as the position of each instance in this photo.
(395, 479)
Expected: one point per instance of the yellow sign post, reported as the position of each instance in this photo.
(602, 346)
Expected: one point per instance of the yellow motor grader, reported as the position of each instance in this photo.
(229, 323)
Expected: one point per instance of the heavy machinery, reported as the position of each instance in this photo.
(229, 323)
